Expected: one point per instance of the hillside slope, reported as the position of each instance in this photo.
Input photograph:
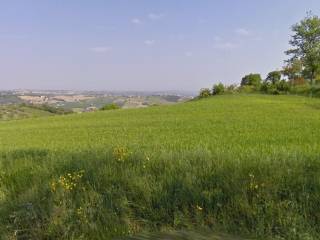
(245, 164)
(234, 123)
(14, 112)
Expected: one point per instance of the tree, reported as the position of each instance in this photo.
(293, 70)
(274, 77)
(252, 79)
(306, 46)
(218, 89)
(204, 93)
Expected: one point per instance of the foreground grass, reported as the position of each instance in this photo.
(184, 235)
(239, 164)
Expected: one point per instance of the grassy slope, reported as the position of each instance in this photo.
(236, 124)
(245, 164)
(14, 112)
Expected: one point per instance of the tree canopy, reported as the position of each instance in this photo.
(274, 77)
(306, 46)
(253, 79)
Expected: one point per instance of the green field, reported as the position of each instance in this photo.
(241, 164)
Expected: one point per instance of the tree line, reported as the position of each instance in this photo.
(301, 73)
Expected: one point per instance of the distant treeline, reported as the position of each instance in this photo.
(300, 75)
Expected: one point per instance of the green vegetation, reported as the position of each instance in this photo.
(20, 111)
(300, 76)
(184, 235)
(111, 106)
(14, 112)
(245, 164)
(6, 98)
(204, 93)
(218, 89)
(48, 108)
(306, 47)
(253, 79)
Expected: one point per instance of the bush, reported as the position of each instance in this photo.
(247, 89)
(204, 93)
(301, 89)
(252, 79)
(231, 88)
(283, 86)
(218, 89)
(265, 87)
(276, 88)
(111, 106)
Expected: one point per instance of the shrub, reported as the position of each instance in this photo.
(265, 87)
(275, 88)
(218, 89)
(283, 86)
(316, 91)
(231, 88)
(247, 89)
(111, 106)
(301, 89)
(204, 93)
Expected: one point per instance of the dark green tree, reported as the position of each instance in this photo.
(306, 46)
(252, 79)
(274, 77)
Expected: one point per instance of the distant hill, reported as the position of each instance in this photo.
(21, 111)
(14, 112)
(80, 101)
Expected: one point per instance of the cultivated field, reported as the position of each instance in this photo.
(245, 164)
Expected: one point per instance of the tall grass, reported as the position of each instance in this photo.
(237, 164)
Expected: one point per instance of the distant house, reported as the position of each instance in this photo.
(91, 109)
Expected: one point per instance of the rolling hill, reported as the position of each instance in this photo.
(15, 112)
(244, 164)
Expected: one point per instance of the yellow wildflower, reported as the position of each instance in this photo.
(199, 208)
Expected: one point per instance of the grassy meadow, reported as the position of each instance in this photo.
(240, 164)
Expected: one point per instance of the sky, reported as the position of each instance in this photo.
(144, 45)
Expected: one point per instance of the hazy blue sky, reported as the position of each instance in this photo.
(142, 44)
